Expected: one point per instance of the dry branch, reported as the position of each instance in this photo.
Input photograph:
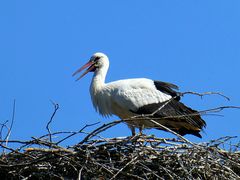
(56, 107)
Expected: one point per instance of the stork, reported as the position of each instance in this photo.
(141, 96)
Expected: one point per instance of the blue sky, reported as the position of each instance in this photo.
(194, 44)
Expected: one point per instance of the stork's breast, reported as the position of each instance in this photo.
(121, 112)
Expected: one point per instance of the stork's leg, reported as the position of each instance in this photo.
(132, 130)
(141, 129)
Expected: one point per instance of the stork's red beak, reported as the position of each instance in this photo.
(89, 64)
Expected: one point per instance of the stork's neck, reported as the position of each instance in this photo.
(98, 81)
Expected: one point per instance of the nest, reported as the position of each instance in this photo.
(138, 157)
(135, 157)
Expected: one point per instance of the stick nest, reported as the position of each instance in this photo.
(139, 157)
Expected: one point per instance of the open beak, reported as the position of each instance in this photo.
(89, 65)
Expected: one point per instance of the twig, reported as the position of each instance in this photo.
(203, 112)
(130, 162)
(3, 125)
(80, 173)
(56, 107)
(206, 93)
(50, 150)
(176, 134)
(218, 109)
(12, 121)
(100, 129)
(74, 133)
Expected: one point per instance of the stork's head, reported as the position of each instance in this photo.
(96, 62)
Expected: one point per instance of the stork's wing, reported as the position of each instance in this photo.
(136, 93)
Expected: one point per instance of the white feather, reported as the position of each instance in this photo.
(135, 93)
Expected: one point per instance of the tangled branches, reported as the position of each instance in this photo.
(135, 157)
(138, 157)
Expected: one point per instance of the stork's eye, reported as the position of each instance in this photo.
(96, 64)
(96, 58)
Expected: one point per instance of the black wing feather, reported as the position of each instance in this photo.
(175, 111)
(168, 88)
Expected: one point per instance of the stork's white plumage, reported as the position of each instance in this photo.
(131, 97)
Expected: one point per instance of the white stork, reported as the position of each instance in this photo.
(131, 97)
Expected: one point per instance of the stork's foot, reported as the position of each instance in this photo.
(134, 134)
(141, 131)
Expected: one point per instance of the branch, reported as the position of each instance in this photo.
(171, 131)
(100, 129)
(12, 120)
(206, 93)
(11, 125)
(130, 162)
(56, 107)
(218, 109)
(74, 133)
(3, 125)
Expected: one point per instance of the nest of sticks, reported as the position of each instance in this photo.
(137, 157)
(134, 157)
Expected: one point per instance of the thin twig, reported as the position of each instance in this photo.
(218, 109)
(74, 133)
(206, 93)
(12, 121)
(56, 107)
(130, 162)
(176, 134)
(3, 125)
(100, 129)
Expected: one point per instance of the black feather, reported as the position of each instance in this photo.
(168, 89)
(175, 112)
